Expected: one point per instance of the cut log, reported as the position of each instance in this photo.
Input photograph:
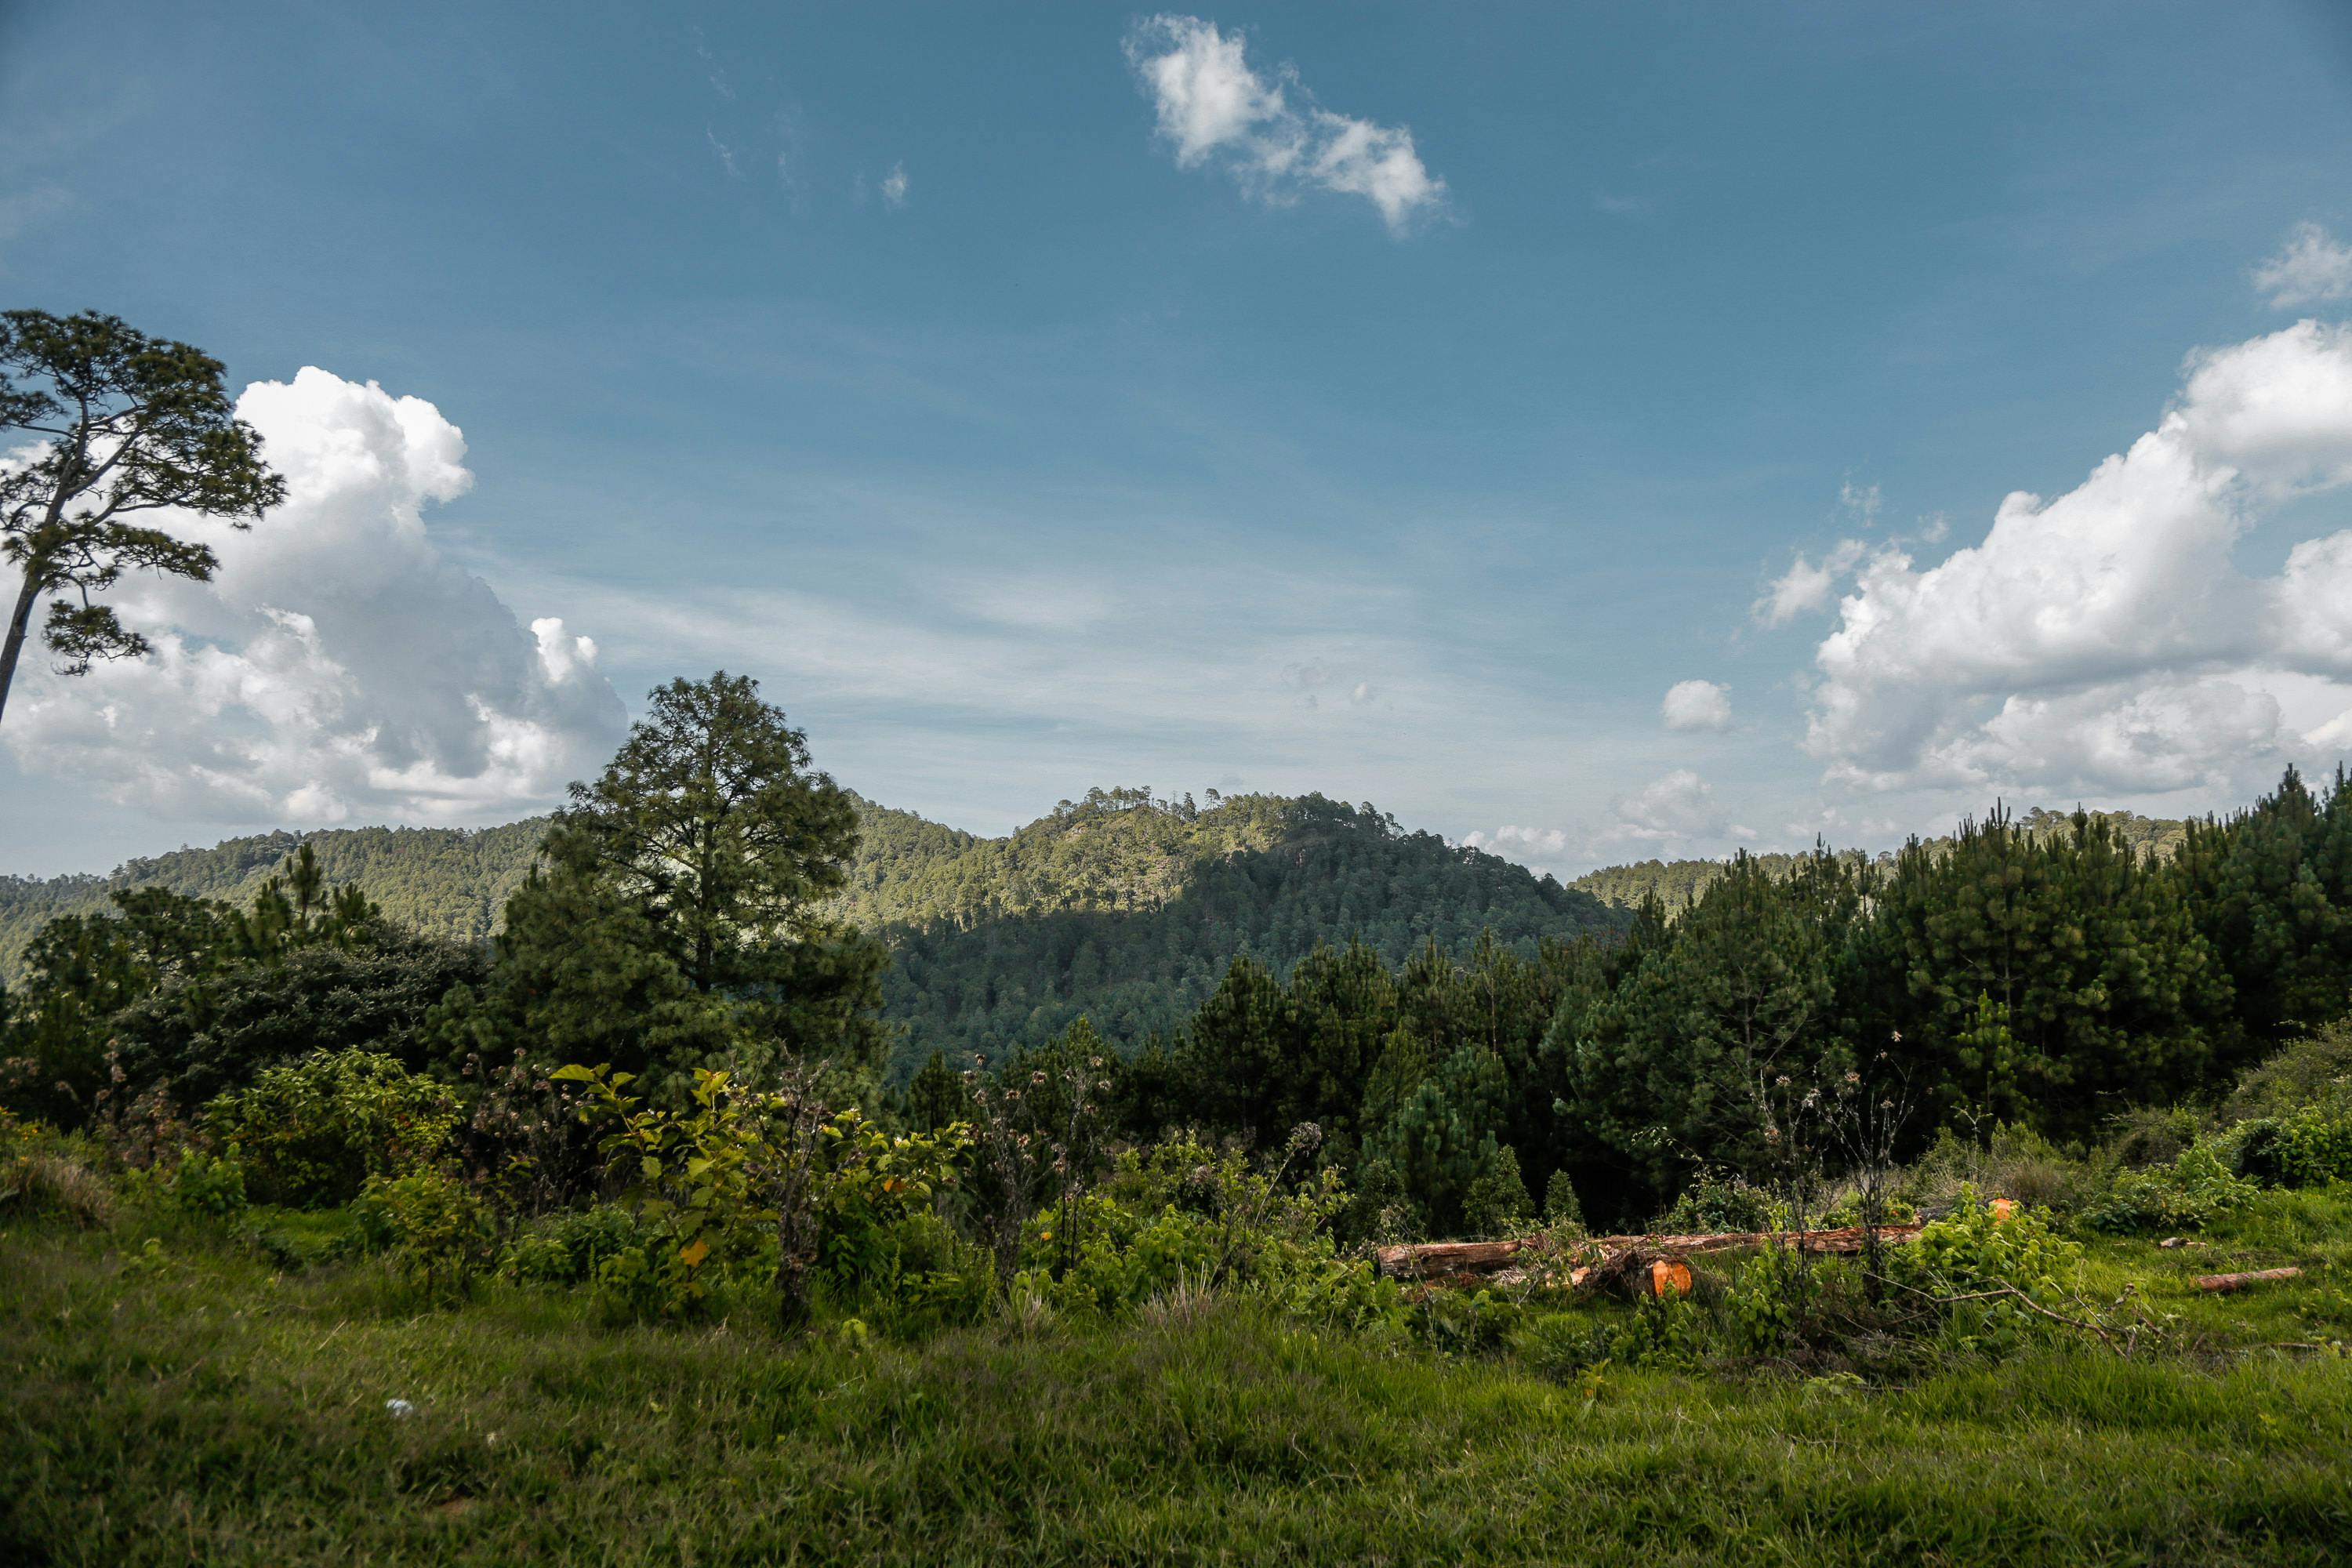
(1612, 1257)
(1669, 1278)
(1421, 1261)
(2240, 1281)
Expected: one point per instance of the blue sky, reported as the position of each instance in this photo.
(1035, 397)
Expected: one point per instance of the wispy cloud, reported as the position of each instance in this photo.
(1806, 585)
(2311, 269)
(726, 153)
(1214, 110)
(893, 185)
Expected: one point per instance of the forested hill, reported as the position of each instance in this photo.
(1678, 883)
(445, 881)
(1118, 905)
(1129, 910)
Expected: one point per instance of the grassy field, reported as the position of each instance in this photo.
(192, 1402)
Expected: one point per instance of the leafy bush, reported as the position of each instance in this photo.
(430, 1224)
(2154, 1135)
(2314, 1071)
(880, 1241)
(205, 1183)
(205, 1039)
(1714, 1203)
(2189, 1193)
(567, 1247)
(1180, 1216)
(315, 1130)
(765, 1185)
(697, 1176)
(2308, 1149)
(1967, 1264)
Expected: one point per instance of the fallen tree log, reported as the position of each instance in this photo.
(2240, 1281)
(1609, 1256)
(1419, 1260)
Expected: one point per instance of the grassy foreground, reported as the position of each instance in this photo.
(189, 1404)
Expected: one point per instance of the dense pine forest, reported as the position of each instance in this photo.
(1677, 883)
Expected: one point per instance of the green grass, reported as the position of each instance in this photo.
(195, 1406)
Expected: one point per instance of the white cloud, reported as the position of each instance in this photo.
(336, 667)
(1860, 503)
(893, 185)
(1806, 587)
(1521, 843)
(2106, 640)
(1212, 108)
(1673, 806)
(1697, 705)
(726, 153)
(2312, 268)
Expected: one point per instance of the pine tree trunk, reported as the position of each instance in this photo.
(18, 623)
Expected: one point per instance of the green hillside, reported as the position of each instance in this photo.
(1130, 910)
(1118, 906)
(1677, 883)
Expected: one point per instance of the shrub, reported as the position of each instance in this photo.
(2314, 1071)
(566, 1248)
(2154, 1136)
(2189, 1193)
(2308, 1149)
(2022, 1164)
(205, 1183)
(764, 1184)
(315, 1130)
(431, 1225)
(1714, 1203)
(1180, 1217)
(1973, 1252)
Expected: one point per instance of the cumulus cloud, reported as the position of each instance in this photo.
(1270, 134)
(1675, 806)
(2311, 267)
(1697, 705)
(1521, 842)
(893, 185)
(336, 667)
(1806, 587)
(2107, 641)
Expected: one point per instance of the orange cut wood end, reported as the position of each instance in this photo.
(1668, 1277)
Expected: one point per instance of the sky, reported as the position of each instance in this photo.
(1590, 432)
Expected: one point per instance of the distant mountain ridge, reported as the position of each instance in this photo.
(1119, 906)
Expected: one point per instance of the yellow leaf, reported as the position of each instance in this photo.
(693, 1254)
